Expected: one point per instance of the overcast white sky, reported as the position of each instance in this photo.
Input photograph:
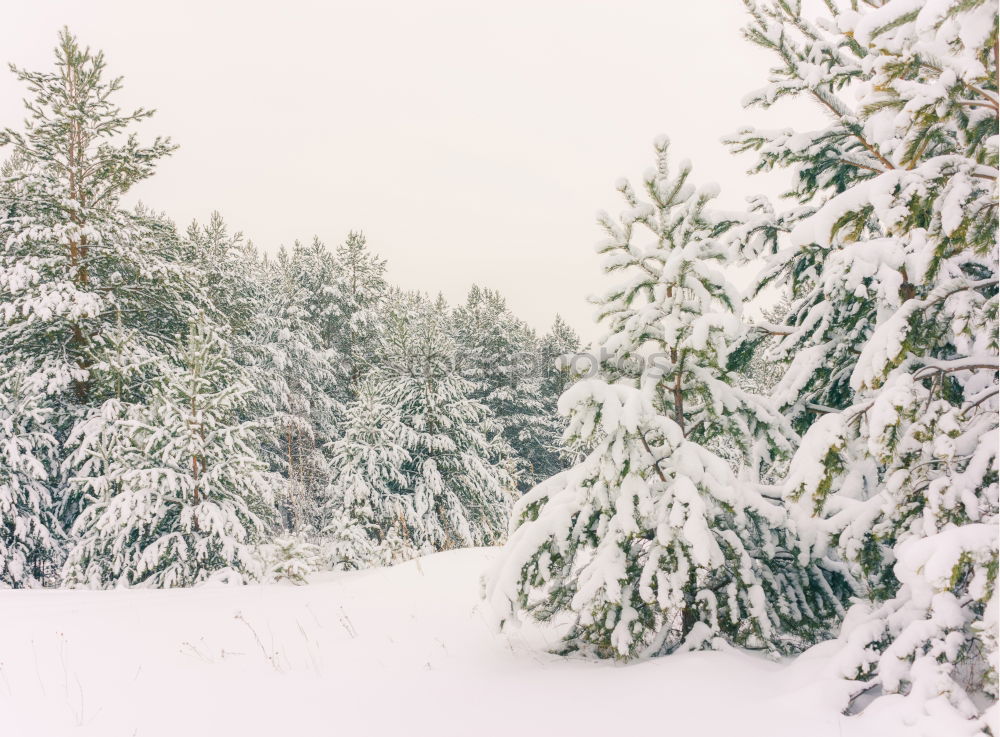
(471, 141)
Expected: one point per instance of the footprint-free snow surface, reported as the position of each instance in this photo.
(408, 650)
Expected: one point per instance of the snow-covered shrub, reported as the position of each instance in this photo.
(290, 558)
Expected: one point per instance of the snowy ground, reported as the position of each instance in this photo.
(403, 651)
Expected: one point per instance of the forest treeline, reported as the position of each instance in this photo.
(177, 405)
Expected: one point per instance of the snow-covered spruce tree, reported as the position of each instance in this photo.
(417, 469)
(30, 533)
(892, 336)
(174, 489)
(651, 543)
(498, 354)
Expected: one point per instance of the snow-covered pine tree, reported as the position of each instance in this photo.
(308, 273)
(174, 489)
(461, 492)
(79, 276)
(498, 354)
(352, 324)
(230, 272)
(557, 349)
(892, 336)
(418, 471)
(73, 262)
(650, 543)
(371, 516)
(30, 534)
(556, 352)
(296, 377)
